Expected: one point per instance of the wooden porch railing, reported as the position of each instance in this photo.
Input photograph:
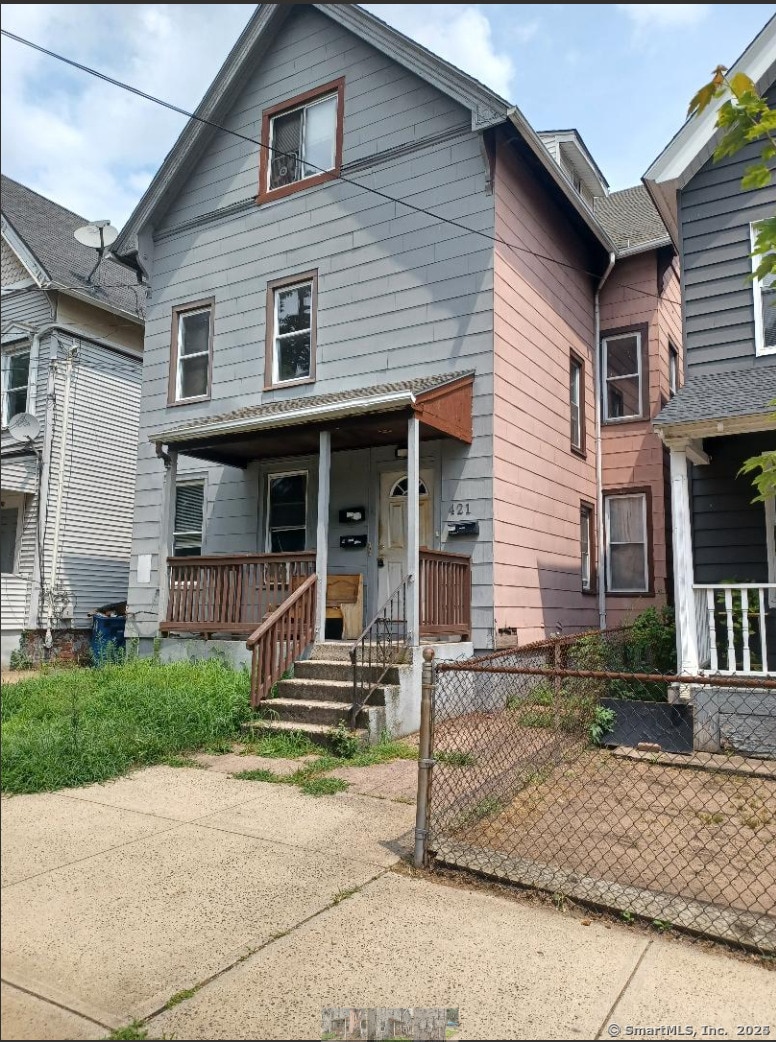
(445, 594)
(230, 593)
(281, 639)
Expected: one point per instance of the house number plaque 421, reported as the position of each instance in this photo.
(460, 510)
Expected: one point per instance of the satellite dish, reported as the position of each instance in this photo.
(97, 235)
(24, 427)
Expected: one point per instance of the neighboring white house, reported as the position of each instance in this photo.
(72, 341)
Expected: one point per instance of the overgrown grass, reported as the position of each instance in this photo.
(323, 786)
(73, 727)
(281, 745)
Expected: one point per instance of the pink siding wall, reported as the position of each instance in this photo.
(542, 310)
(632, 455)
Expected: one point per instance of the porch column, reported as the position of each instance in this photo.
(413, 530)
(322, 536)
(684, 594)
(167, 528)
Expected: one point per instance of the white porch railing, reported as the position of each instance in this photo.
(731, 626)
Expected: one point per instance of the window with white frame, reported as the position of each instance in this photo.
(189, 518)
(286, 512)
(586, 546)
(303, 141)
(16, 383)
(622, 367)
(627, 550)
(192, 348)
(10, 522)
(764, 291)
(292, 346)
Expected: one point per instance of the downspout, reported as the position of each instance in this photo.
(44, 470)
(60, 491)
(599, 488)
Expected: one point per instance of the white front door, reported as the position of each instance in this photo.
(392, 532)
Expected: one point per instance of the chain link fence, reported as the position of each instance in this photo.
(576, 767)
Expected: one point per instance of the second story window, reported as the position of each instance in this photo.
(191, 352)
(291, 330)
(577, 402)
(304, 139)
(673, 370)
(16, 384)
(622, 367)
(764, 291)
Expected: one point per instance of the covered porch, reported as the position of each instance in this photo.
(344, 551)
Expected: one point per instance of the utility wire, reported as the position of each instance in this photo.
(341, 177)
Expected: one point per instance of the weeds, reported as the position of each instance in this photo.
(343, 895)
(259, 775)
(455, 758)
(78, 726)
(344, 742)
(180, 996)
(133, 1030)
(283, 745)
(323, 786)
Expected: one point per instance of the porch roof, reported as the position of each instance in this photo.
(357, 418)
(726, 403)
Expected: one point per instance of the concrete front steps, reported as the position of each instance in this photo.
(319, 697)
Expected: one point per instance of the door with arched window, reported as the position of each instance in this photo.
(392, 534)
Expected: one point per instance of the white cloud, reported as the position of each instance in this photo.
(665, 16)
(460, 34)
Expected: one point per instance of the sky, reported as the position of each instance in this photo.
(622, 74)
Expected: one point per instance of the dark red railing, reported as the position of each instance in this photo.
(445, 594)
(281, 639)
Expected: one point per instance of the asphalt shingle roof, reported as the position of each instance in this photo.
(747, 392)
(47, 230)
(311, 403)
(630, 219)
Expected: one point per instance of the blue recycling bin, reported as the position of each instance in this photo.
(107, 637)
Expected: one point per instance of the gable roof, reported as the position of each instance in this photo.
(631, 220)
(42, 232)
(487, 108)
(694, 143)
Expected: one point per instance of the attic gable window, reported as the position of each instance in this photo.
(304, 139)
(764, 291)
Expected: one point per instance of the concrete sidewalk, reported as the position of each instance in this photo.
(269, 904)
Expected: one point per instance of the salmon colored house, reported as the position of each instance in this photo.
(401, 357)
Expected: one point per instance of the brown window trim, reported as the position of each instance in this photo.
(269, 337)
(177, 311)
(581, 449)
(267, 194)
(643, 329)
(585, 504)
(636, 490)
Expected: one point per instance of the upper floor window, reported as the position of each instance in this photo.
(304, 141)
(11, 510)
(189, 518)
(673, 370)
(623, 371)
(191, 353)
(577, 402)
(16, 384)
(291, 330)
(764, 308)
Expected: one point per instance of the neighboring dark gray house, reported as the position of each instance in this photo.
(72, 345)
(724, 551)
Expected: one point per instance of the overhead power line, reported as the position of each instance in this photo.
(385, 196)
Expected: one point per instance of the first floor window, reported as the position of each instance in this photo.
(627, 552)
(764, 290)
(586, 546)
(286, 513)
(189, 518)
(291, 315)
(191, 350)
(623, 376)
(16, 384)
(9, 532)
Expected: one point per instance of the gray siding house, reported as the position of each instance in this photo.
(72, 359)
(368, 280)
(724, 544)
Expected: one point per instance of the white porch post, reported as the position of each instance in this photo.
(322, 536)
(684, 595)
(413, 530)
(167, 528)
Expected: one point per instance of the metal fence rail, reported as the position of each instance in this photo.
(575, 767)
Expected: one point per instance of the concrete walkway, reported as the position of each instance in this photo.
(264, 905)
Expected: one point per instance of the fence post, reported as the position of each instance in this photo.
(425, 762)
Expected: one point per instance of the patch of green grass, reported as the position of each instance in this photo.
(133, 1030)
(455, 758)
(78, 726)
(180, 996)
(282, 745)
(323, 786)
(260, 774)
(183, 761)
